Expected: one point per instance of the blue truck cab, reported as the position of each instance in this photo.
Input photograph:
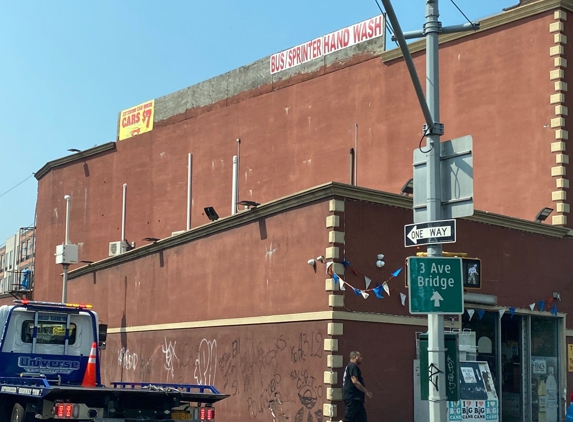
(49, 341)
(50, 370)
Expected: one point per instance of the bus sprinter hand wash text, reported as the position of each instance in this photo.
(329, 43)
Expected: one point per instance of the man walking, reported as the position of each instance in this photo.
(354, 390)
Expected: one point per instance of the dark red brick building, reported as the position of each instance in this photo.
(233, 302)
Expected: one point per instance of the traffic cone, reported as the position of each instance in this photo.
(90, 375)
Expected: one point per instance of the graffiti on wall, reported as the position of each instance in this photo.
(206, 362)
(170, 357)
(254, 370)
(127, 359)
(259, 372)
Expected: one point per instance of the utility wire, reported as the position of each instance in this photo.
(460, 10)
(388, 25)
(14, 187)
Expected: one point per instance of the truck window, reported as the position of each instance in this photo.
(49, 332)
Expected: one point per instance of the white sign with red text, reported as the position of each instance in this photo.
(363, 31)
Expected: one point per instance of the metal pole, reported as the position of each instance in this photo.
(66, 242)
(67, 237)
(123, 210)
(234, 187)
(355, 154)
(352, 167)
(189, 170)
(65, 283)
(436, 351)
(409, 62)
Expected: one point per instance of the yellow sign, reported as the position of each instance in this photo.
(570, 357)
(136, 120)
(60, 331)
(180, 416)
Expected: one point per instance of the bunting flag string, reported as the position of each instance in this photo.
(367, 281)
(365, 293)
(378, 292)
(547, 305)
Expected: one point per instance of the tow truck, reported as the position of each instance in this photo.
(50, 370)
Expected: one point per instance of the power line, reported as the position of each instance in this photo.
(460, 10)
(388, 25)
(14, 187)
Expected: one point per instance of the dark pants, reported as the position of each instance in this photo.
(355, 411)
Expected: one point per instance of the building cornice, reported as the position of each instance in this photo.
(512, 15)
(303, 198)
(279, 319)
(76, 156)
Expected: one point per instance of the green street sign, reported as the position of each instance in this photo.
(451, 373)
(436, 285)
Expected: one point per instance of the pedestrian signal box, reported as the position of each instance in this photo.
(471, 270)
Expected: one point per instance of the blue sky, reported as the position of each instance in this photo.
(70, 66)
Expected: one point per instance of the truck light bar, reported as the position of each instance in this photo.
(64, 305)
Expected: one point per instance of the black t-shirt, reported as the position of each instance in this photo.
(349, 391)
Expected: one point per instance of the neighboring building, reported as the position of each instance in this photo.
(17, 264)
(233, 302)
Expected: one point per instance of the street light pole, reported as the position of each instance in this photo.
(436, 350)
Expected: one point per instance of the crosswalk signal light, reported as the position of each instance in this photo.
(471, 268)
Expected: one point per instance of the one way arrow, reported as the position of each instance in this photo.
(436, 297)
(412, 235)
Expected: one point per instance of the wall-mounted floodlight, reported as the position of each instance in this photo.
(408, 188)
(211, 213)
(74, 150)
(150, 239)
(543, 214)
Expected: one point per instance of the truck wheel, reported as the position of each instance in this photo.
(18, 413)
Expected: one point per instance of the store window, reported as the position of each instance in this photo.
(485, 326)
(544, 369)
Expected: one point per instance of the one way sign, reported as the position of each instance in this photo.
(443, 231)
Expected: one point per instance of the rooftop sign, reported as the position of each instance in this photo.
(136, 120)
(329, 43)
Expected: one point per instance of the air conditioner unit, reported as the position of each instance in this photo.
(116, 248)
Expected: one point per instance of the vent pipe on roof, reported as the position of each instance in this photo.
(355, 154)
(352, 166)
(189, 170)
(235, 188)
(123, 214)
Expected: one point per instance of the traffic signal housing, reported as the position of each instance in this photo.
(471, 268)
